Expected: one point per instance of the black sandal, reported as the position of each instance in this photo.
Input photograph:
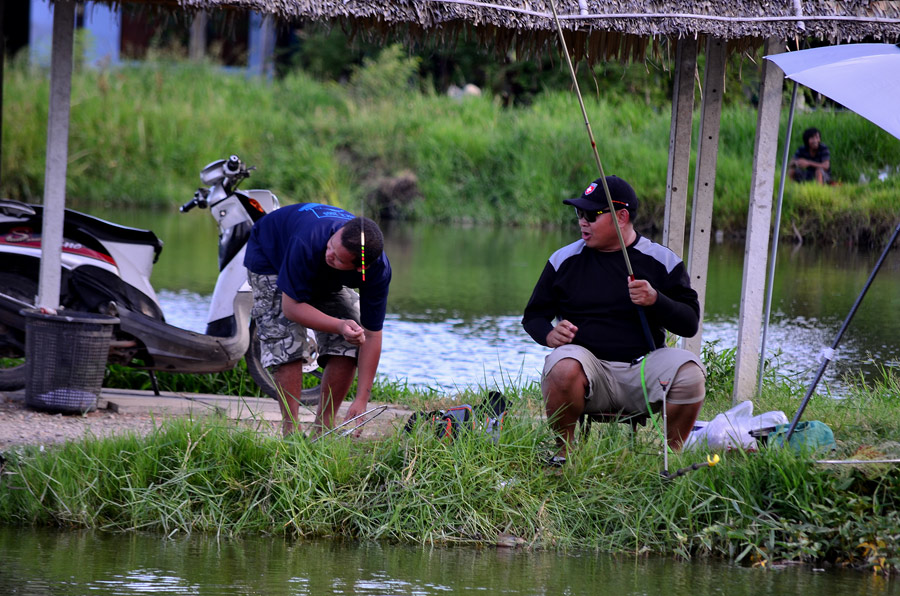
(556, 461)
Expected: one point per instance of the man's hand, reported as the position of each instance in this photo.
(562, 334)
(642, 293)
(356, 408)
(353, 332)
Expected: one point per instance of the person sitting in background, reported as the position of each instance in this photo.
(812, 161)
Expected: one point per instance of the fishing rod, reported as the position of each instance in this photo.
(587, 123)
(710, 462)
(645, 326)
(380, 409)
(828, 353)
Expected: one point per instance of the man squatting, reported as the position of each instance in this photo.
(586, 309)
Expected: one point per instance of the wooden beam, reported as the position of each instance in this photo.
(680, 145)
(762, 183)
(57, 153)
(705, 178)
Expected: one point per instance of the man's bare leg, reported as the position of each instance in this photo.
(336, 380)
(681, 418)
(564, 389)
(689, 382)
(289, 379)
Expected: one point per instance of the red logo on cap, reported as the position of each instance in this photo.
(590, 188)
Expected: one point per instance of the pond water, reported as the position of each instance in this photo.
(41, 562)
(458, 293)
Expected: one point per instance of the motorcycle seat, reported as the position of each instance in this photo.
(104, 230)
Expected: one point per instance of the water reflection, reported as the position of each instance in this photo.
(458, 294)
(38, 561)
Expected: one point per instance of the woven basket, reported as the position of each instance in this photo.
(65, 359)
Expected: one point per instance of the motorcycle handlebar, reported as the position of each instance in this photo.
(199, 200)
(234, 171)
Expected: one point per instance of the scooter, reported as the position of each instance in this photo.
(106, 269)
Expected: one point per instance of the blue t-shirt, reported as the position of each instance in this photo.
(290, 242)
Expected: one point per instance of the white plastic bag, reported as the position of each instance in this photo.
(731, 429)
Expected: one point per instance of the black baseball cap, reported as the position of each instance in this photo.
(594, 198)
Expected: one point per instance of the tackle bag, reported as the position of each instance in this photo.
(448, 423)
(813, 436)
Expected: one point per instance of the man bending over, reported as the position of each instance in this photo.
(302, 262)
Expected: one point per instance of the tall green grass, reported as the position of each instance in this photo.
(210, 475)
(140, 134)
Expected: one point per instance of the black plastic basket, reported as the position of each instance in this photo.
(65, 359)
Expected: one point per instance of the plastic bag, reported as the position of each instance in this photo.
(731, 429)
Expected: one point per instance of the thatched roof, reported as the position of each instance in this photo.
(598, 28)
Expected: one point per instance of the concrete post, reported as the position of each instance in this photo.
(57, 153)
(705, 179)
(261, 46)
(197, 43)
(759, 219)
(2, 61)
(680, 145)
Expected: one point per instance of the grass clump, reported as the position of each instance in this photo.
(209, 475)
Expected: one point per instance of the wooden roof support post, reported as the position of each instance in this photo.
(680, 144)
(759, 219)
(57, 152)
(705, 178)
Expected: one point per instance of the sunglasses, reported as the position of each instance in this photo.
(589, 216)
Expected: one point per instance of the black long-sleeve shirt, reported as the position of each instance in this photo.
(589, 288)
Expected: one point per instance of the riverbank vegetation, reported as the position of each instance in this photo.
(387, 143)
(759, 508)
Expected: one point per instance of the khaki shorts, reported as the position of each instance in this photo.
(616, 386)
(282, 340)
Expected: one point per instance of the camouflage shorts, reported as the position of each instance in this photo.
(282, 340)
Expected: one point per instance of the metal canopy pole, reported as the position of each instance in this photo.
(771, 281)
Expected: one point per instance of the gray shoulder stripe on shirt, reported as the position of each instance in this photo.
(659, 252)
(570, 250)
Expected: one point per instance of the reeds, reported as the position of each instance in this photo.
(139, 135)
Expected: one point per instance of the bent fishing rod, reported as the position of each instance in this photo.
(645, 326)
(828, 353)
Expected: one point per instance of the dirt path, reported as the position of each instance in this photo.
(23, 426)
(20, 425)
